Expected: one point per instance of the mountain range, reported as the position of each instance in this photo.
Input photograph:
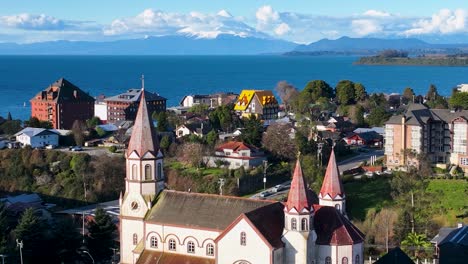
(227, 44)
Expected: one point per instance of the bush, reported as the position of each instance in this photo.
(113, 149)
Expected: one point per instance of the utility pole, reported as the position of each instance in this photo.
(265, 166)
(221, 184)
(20, 245)
(3, 258)
(319, 153)
(412, 212)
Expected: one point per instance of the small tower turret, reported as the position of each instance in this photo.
(332, 191)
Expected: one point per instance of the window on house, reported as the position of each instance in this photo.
(293, 224)
(344, 260)
(191, 247)
(337, 206)
(172, 245)
(134, 172)
(135, 239)
(159, 171)
(148, 172)
(243, 239)
(327, 260)
(210, 250)
(154, 242)
(304, 224)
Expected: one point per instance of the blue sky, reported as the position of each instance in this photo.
(294, 20)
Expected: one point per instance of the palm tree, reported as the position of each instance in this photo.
(415, 243)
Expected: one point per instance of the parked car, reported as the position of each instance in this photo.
(278, 188)
(76, 148)
(265, 194)
(50, 147)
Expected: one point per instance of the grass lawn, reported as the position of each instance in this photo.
(364, 195)
(452, 196)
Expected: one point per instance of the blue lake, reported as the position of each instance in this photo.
(21, 77)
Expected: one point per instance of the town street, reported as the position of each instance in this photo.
(356, 160)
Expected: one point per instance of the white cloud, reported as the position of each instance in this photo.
(376, 13)
(267, 18)
(282, 29)
(152, 22)
(32, 22)
(444, 22)
(364, 27)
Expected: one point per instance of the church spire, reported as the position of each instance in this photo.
(143, 137)
(298, 197)
(331, 183)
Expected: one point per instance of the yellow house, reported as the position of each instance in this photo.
(261, 103)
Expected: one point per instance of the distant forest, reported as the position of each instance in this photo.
(396, 57)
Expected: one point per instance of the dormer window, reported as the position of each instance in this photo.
(148, 172)
(304, 225)
(293, 224)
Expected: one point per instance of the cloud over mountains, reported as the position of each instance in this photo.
(266, 22)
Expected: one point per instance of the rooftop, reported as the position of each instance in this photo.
(133, 96)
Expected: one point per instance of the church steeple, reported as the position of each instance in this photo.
(298, 197)
(332, 191)
(143, 137)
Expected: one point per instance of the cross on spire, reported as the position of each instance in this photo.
(142, 82)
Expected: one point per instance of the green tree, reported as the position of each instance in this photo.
(101, 236)
(10, 127)
(345, 92)
(253, 129)
(201, 109)
(434, 100)
(360, 93)
(211, 137)
(93, 122)
(78, 130)
(30, 230)
(101, 132)
(4, 229)
(415, 243)
(377, 116)
(311, 93)
(66, 240)
(459, 100)
(408, 95)
(357, 115)
(163, 123)
(165, 143)
(35, 122)
(221, 118)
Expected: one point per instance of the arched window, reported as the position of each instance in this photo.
(159, 171)
(134, 172)
(154, 242)
(304, 224)
(358, 259)
(243, 239)
(293, 224)
(135, 239)
(337, 206)
(148, 172)
(327, 260)
(210, 250)
(172, 244)
(190, 247)
(344, 260)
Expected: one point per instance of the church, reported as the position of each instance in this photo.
(165, 226)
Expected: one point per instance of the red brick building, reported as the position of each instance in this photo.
(124, 106)
(61, 104)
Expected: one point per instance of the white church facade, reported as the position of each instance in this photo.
(164, 226)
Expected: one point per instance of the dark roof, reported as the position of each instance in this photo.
(134, 95)
(63, 91)
(443, 233)
(419, 114)
(269, 221)
(196, 210)
(151, 256)
(333, 228)
(395, 256)
(458, 236)
(197, 127)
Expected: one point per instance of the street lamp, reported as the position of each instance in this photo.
(265, 167)
(20, 245)
(85, 251)
(3, 258)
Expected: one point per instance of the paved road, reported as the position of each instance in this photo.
(356, 160)
(93, 151)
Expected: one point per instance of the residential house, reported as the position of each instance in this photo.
(261, 103)
(369, 138)
(37, 137)
(443, 233)
(196, 128)
(235, 154)
(210, 100)
(439, 134)
(462, 87)
(167, 226)
(61, 104)
(453, 248)
(378, 130)
(124, 106)
(394, 256)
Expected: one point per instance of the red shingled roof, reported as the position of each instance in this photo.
(298, 195)
(333, 228)
(235, 146)
(144, 137)
(331, 183)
